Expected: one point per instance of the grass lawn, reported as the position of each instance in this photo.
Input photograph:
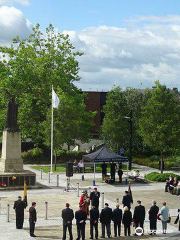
(62, 169)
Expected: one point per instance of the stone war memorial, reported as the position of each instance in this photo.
(12, 173)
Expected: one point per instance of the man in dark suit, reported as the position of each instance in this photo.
(113, 168)
(94, 217)
(32, 219)
(94, 197)
(139, 215)
(104, 170)
(81, 218)
(127, 200)
(19, 207)
(117, 218)
(67, 216)
(105, 219)
(153, 217)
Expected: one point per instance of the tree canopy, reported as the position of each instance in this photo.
(160, 120)
(116, 127)
(28, 69)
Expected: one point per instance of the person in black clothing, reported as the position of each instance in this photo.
(127, 219)
(81, 218)
(178, 219)
(19, 207)
(153, 217)
(94, 197)
(105, 219)
(127, 200)
(139, 215)
(104, 170)
(32, 219)
(117, 218)
(94, 217)
(120, 173)
(113, 168)
(67, 216)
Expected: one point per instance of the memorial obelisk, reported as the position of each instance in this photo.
(11, 160)
(11, 163)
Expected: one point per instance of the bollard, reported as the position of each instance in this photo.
(102, 203)
(94, 183)
(126, 181)
(77, 189)
(117, 200)
(46, 212)
(41, 172)
(57, 180)
(82, 177)
(8, 208)
(49, 175)
(67, 185)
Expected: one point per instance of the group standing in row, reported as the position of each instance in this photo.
(105, 216)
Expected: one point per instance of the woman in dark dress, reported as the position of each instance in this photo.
(127, 219)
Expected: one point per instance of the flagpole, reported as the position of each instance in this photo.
(52, 132)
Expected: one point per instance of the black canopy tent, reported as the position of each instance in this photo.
(104, 154)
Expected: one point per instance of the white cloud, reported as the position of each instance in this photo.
(155, 19)
(126, 56)
(129, 56)
(12, 2)
(12, 23)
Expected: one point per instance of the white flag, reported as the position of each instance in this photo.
(55, 100)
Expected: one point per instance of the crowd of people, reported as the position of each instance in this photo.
(118, 216)
(172, 185)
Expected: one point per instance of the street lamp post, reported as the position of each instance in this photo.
(130, 140)
(130, 121)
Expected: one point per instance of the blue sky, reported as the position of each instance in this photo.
(125, 43)
(79, 14)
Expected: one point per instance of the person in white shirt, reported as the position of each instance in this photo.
(81, 166)
(165, 217)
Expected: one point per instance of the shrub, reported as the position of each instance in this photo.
(34, 155)
(69, 156)
(156, 176)
(155, 158)
(154, 164)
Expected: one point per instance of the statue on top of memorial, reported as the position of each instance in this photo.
(12, 112)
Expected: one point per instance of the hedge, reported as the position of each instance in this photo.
(36, 155)
(150, 162)
(160, 177)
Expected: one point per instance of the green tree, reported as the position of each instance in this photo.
(135, 99)
(71, 122)
(160, 121)
(115, 128)
(28, 69)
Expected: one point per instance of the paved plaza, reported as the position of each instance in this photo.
(51, 228)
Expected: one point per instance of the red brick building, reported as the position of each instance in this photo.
(95, 102)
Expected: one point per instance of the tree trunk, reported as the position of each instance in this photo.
(55, 158)
(117, 151)
(162, 162)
